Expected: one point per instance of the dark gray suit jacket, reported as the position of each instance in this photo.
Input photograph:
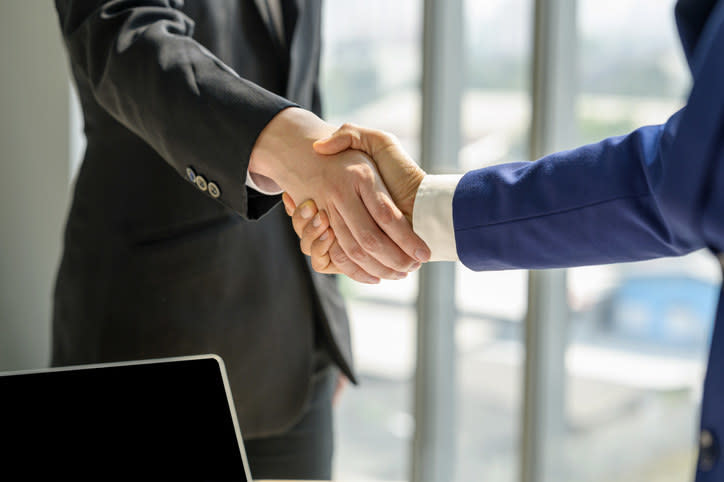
(157, 265)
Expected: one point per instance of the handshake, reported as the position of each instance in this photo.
(350, 193)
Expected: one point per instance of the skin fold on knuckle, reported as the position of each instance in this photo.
(384, 213)
(321, 248)
(339, 257)
(362, 174)
(370, 242)
(311, 233)
(357, 253)
(320, 263)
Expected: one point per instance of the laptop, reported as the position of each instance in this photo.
(162, 419)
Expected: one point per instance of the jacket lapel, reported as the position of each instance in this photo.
(265, 13)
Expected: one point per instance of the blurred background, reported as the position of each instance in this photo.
(635, 337)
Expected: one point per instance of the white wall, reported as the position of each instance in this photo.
(34, 175)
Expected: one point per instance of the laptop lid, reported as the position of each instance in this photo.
(171, 419)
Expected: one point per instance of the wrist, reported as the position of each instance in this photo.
(285, 140)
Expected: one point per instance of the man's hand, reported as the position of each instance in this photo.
(400, 173)
(373, 238)
(315, 236)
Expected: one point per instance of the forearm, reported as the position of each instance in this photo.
(597, 204)
(144, 68)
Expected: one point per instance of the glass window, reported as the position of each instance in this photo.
(371, 68)
(639, 332)
(496, 112)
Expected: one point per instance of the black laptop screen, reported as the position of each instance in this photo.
(165, 420)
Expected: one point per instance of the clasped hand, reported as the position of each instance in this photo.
(370, 234)
(319, 239)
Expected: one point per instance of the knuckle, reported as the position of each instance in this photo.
(347, 126)
(319, 263)
(339, 257)
(309, 231)
(362, 171)
(366, 173)
(357, 253)
(319, 248)
(390, 137)
(369, 241)
(384, 214)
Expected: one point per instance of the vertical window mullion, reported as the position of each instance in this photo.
(433, 449)
(546, 322)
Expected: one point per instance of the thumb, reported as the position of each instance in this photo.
(334, 144)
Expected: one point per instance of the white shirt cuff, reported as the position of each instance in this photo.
(263, 184)
(432, 215)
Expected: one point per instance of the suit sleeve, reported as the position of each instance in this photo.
(614, 201)
(144, 68)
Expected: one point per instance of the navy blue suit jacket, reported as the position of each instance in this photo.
(658, 191)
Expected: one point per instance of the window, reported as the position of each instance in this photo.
(495, 123)
(637, 334)
(371, 76)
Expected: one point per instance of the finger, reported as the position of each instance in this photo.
(340, 141)
(319, 252)
(289, 205)
(395, 225)
(365, 227)
(351, 136)
(367, 244)
(302, 216)
(316, 227)
(346, 266)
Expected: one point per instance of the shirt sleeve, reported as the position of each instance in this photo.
(432, 215)
(262, 184)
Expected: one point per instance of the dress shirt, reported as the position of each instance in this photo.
(432, 215)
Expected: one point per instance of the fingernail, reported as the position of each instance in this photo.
(324, 235)
(306, 212)
(317, 221)
(422, 255)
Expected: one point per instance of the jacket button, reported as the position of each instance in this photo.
(190, 174)
(214, 190)
(708, 450)
(201, 182)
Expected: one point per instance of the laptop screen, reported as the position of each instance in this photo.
(158, 419)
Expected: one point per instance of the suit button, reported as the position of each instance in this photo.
(708, 450)
(190, 174)
(214, 190)
(201, 182)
